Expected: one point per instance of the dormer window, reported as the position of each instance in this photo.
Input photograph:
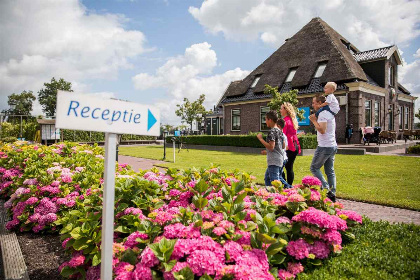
(320, 70)
(254, 83)
(291, 74)
(391, 76)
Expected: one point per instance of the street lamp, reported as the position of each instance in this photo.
(164, 144)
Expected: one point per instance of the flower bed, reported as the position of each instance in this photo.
(204, 223)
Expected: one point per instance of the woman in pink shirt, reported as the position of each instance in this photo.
(290, 130)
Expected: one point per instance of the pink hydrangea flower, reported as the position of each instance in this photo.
(32, 200)
(296, 198)
(77, 260)
(320, 249)
(204, 262)
(321, 219)
(234, 250)
(315, 195)
(148, 258)
(351, 215)
(298, 249)
(332, 237)
(219, 231)
(311, 181)
(142, 273)
(285, 275)
(131, 239)
(283, 220)
(295, 268)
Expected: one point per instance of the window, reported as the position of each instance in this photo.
(400, 126)
(291, 74)
(236, 119)
(263, 111)
(320, 70)
(391, 75)
(254, 83)
(368, 114)
(407, 117)
(377, 113)
(391, 117)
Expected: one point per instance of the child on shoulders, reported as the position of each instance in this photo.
(331, 104)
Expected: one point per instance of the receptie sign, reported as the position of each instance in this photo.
(84, 112)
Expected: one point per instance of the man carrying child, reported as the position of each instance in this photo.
(324, 122)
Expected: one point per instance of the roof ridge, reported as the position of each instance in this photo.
(376, 49)
(320, 21)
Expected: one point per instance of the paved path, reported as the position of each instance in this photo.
(373, 211)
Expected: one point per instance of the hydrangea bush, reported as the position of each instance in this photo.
(193, 224)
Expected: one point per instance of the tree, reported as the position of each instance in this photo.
(279, 99)
(190, 112)
(22, 101)
(418, 114)
(48, 97)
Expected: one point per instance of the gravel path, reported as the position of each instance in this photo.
(373, 211)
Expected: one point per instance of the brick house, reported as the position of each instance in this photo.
(368, 88)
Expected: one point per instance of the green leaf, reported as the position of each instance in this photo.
(96, 259)
(129, 256)
(201, 186)
(276, 247)
(238, 186)
(80, 244)
(168, 266)
(67, 271)
(265, 238)
(205, 277)
(184, 274)
(240, 198)
(277, 259)
(75, 233)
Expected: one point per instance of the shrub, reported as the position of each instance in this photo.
(175, 224)
(29, 129)
(93, 136)
(414, 149)
(306, 141)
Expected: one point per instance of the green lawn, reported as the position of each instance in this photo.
(387, 180)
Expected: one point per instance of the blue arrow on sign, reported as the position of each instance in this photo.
(151, 120)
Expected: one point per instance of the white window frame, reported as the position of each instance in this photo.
(231, 123)
(377, 114)
(291, 75)
(320, 69)
(407, 116)
(255, 82)
(370, 112)
(401, 118)
(261, 116)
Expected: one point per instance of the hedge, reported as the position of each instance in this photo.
(13, 130)
(92, 136)
(414, 149)
(306, 141)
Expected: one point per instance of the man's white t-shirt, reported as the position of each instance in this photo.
(333, 103)
(328, 138)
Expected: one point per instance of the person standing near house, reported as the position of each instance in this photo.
(290, 130)
(327, 147)
(273, 145)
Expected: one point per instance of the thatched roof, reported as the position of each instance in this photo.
(314, 43)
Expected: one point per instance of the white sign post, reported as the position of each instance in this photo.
(84, 112)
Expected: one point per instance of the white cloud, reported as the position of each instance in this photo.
(409, 77)
(417, 54)
(367, 24)
(61, 38)
(188, 75)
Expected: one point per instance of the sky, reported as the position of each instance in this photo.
(158, 52)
